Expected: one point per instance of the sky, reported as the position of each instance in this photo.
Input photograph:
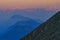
(24, 4)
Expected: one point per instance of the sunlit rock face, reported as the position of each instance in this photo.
(49, 30)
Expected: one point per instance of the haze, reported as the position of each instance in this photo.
(22, 4)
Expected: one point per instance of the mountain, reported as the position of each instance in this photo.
(12, 17)
(49, 30)
(36, 14)
(22, 27)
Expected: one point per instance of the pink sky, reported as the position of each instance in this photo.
(23, 4)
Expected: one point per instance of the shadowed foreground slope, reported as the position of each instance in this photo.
(50, 30)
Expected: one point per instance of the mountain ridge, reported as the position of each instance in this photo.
(23, 26)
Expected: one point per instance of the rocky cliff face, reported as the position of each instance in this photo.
(50, 30)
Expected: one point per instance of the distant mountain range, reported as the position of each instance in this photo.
(18, 23)
(35, 14)
(22, 27)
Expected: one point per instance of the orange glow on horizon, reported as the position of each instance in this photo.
(21, 4)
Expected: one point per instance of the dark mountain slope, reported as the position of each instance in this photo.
(50, 30)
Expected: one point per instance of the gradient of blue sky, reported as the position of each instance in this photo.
(22, 4)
